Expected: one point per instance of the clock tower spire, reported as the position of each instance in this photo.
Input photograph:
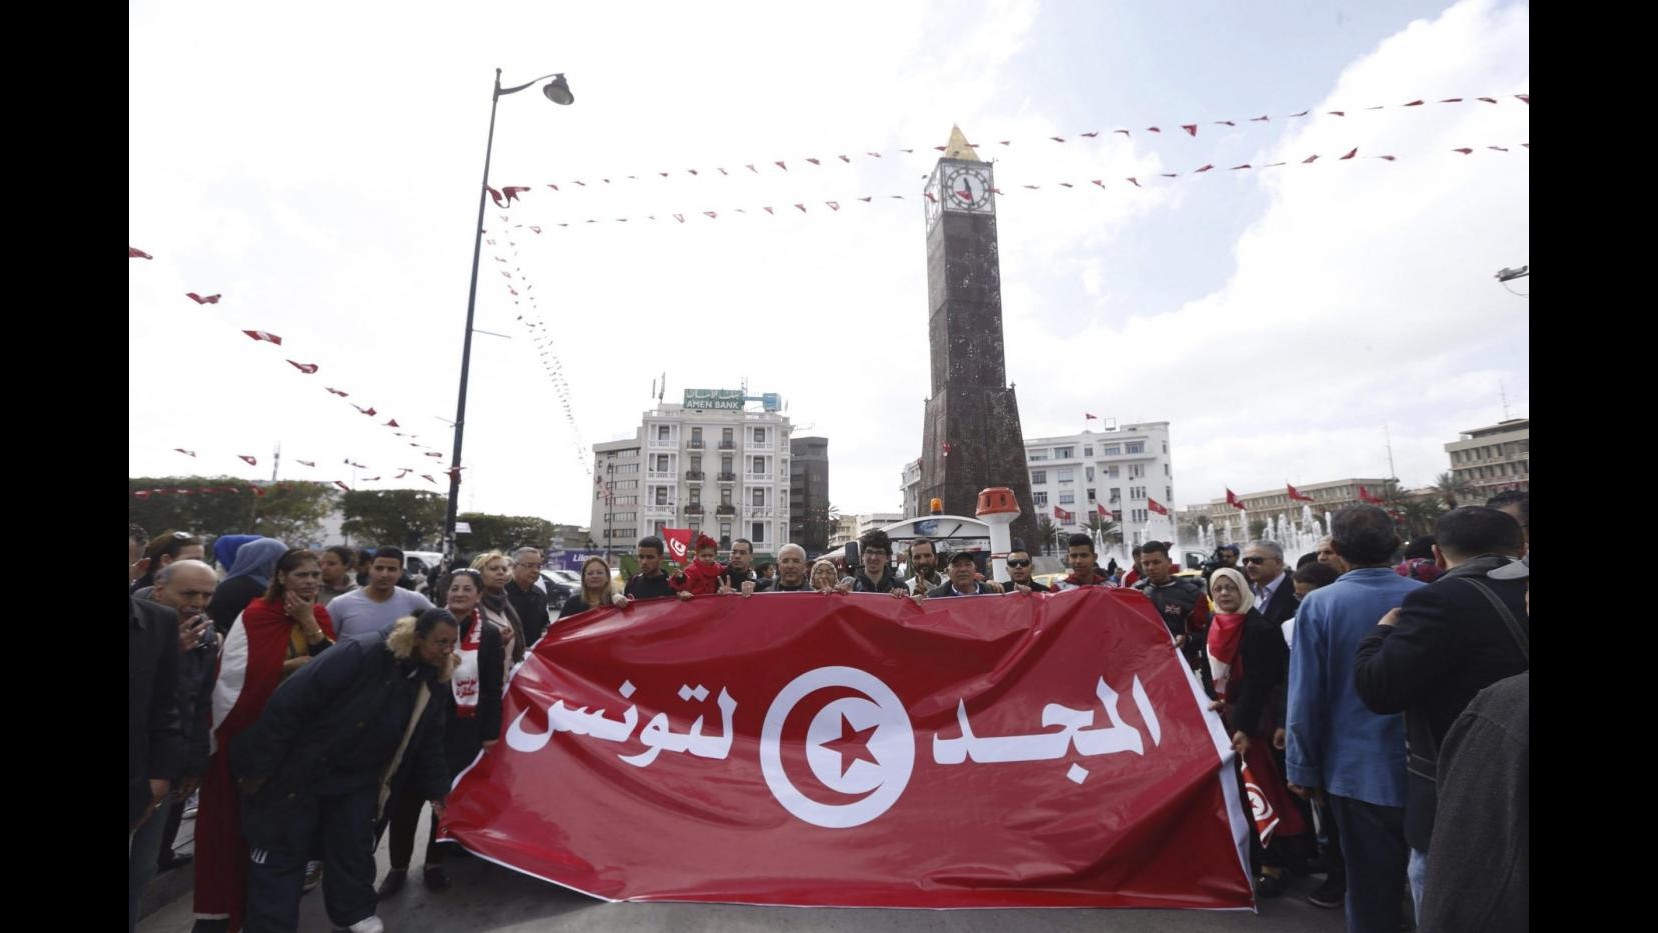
(971, 436)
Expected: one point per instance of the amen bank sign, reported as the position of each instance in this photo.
(856, 750)
(714, 398)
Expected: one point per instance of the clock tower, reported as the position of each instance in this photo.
(971, 438)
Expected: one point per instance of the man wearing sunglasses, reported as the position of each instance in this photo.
(1263, 564)
(1020, 570)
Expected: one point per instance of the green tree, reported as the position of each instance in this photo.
(505, 532)
(818, 525)
(406, 518)
(1047, 534)
(1453, 487)
(1257, 529)
(293, 512)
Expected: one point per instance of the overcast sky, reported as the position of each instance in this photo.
(317, 164)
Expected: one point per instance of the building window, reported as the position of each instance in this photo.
(1113, 471)
(1135, 447)
(662, 463)
(1063, 453)
(1038, 477)
(696, 463)
(662, 432)
(661, 495)
(726, 435)
(1091, 495)
(1088, 451)
(725, 463)
(1111, 450)
(1136, 470)
(1116, 494)
(725, 495)
(725, 536)
(1067, 498)
(696, 495)
(1165, 446)
(1040, 497)
(759, 435)
(759, 465)
(1089, 471)
(1165, 469)
(660, 527)
(696, 434)
(1067, 475)
(759, 498)
(1136, 492)
(1037, 456)
(1168, 493)
(759, 536)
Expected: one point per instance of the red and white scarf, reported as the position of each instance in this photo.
(1225, 641)
(464, 681)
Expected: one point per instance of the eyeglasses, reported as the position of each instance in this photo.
(528, 566)
(1018, 563)
(1254, 560)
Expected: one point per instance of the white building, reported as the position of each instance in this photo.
(720, 470)
(1493, 458)
(1122, 468)
(911, 490)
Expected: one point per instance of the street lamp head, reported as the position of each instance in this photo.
(558, 91)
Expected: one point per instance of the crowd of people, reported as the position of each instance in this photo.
(300, 704)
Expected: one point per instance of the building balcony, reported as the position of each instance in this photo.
(694, 443)
(695, 476)
(725, 510)
(694, 508)
(762, 511)
(728, 445)
(656, 510)
(669, 475)
(726, 477)
(752, 478)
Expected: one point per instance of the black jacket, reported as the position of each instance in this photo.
(776, 586)
(643, 587)
(1282, 607)
(574, 605)
(735, 579)
(531, 608)
(1479, 878)
(1449, 644)
(1178, 605)
(463, 737)
(949, 589)
(1036, 586)
(1265, 664)
(888, 582)
(232, 596)
(155, 749)
(335, 725)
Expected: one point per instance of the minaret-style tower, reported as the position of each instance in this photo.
(971, 438)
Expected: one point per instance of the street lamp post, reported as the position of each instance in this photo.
(557, 91)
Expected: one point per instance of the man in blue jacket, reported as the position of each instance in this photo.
(1338, 749)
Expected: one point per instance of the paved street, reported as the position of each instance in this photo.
(486, 897)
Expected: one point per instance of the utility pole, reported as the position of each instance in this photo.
(1388, 433)
(276, 460)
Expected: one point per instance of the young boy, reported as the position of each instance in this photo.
(702, 577)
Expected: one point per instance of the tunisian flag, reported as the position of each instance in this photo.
(1157, 507)
(678, 541)
(1296, 495)
(1365, 496)
(1061, 515)
(853, 750)
(1232, 500)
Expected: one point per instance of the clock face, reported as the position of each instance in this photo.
(967, 189)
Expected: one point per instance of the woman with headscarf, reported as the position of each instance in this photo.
(472, 723)
(496, 570)
(249, 578)
(271, 638)
(1247, 660)
(824, 576)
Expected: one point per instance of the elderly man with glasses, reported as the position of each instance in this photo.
(527, 599)
(1263, 564)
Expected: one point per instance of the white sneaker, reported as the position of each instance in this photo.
(368, 925)
(313, 876)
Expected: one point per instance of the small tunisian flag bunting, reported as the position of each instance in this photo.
(187, 453)
(309, 463)
(134, 252)
(1296, 494)
(1090, 417)
(337, 391)
(251, 461)
(1232, 500)
(342, 485)
(1365, 496)
(306, 368)
(264, 335)
(1157, 507)
(209, 300)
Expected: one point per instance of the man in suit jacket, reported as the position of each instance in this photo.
(1263, 564)
(1445, 643)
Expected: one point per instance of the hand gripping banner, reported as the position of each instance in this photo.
(1029, 750)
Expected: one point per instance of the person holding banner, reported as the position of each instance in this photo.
(596, 589)
(651, 582)
(825, 578)
(472, 723)
(701, 577)
(1247, 660)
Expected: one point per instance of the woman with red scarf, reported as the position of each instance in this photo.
(272, 637)
(1248, 659)
(472, 723)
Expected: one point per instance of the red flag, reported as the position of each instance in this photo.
(1524, 99)
(1351, 154)
(1225, 123)
(1190, 128)
(342, 485)
(802, 208)
(141, 494)
(833, 760)
(1237, 167)
(1365, 496)
(833, 205)
(779, 164)
(251, 461)
(427, 478)
(814, 161)
(1133, 181)
(1464, 151)
(134, 252)
(1157, 507)
(1296, 496)
(187, 453)
(370, 479)
(264, 335)
(1153, 129)
(309, 463)
(1063, 516)
(209, 300)
(1310, 159)
(711, 215)
(1105, 513)
(306, 368)
(392, 424)
(430, 453)
(337, 392)
(1414, 103)
(678, 541)
(1089, 416)
(367, 411)
(1203, 169)
(1232, 500)
(1263, 118)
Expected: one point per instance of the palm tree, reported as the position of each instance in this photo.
(1046, 533)
(1452, 487)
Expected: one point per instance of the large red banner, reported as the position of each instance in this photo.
(858, 750)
